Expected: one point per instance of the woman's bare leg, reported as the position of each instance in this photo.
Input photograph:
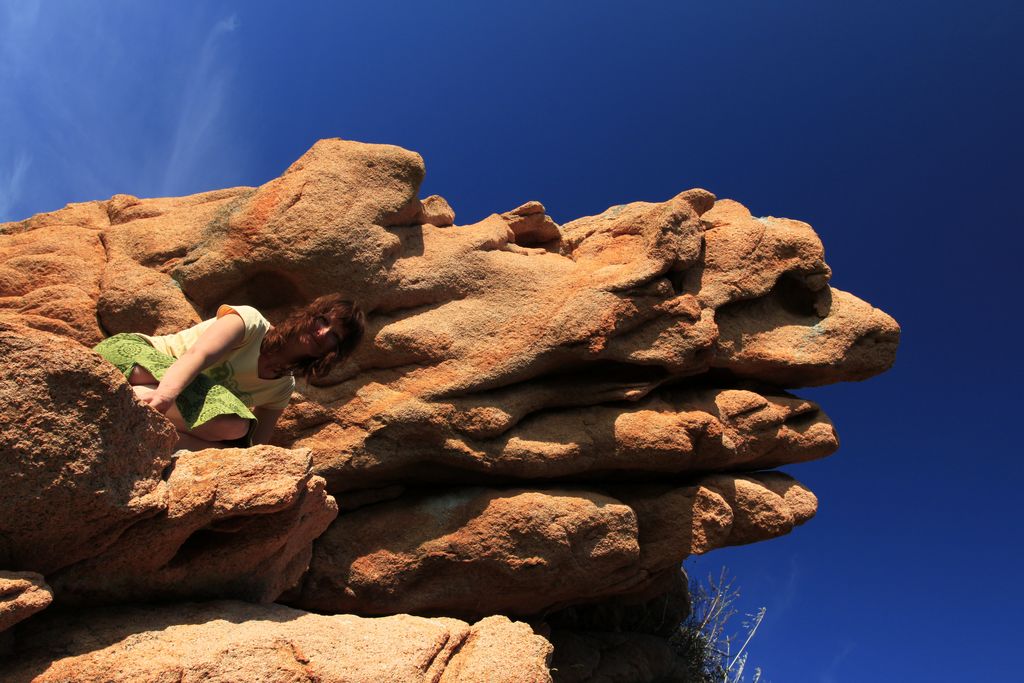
(194, 443)
(220, 428)
(185, 440)
(140, 375)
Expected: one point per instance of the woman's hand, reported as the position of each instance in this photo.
(154, 397)
(159, 401)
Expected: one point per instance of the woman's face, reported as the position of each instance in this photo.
(321, 341)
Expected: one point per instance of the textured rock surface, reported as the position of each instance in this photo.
(93, 498)
(231, 641)
(50, 279)
(492, 342)
(82, 461)
(543, 419)
(497, 649)
(22, 594)
(473, 552)
(238, 523)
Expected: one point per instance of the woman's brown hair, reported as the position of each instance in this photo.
(343, 316)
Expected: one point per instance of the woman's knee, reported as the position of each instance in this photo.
(140, 375)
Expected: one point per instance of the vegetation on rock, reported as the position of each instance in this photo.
(711, 652)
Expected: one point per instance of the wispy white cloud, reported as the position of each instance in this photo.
(12, 180)
(831, 672)
(202, 99)
(784, 598)
(133, 98)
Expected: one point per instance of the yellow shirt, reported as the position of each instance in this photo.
(239, 371)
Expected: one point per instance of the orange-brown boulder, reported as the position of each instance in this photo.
(83, 461)
(673, 431)
(233, 641)
(50, 279)
(22, 594)
(238, 523)
(474, 551)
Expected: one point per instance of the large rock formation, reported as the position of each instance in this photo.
(543, 422)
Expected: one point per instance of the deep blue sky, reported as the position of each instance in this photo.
(894, 128)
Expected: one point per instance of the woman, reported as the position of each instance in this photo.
(226, 381)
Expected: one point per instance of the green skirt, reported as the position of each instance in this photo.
(202, 400)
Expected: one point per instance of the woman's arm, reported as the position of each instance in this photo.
(211, 347)
(267, 420)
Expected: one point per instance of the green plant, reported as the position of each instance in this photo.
(702, 642)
